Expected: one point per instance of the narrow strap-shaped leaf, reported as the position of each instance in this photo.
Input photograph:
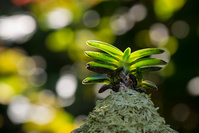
(96, 79)
(94, 42)
(102, 64)
(149, 85)
(102, 57)
(133, 78)
(146, 62)
(108, 48)
(104, 88)
(144, 52)
(127, 53)
(101, 70)
(139, 76)
(116, 73)
(147, 69)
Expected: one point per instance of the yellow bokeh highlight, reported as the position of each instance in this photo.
(164, 9)
(104, 32)
(42, 8)
(142, 39)
(11, 82)
(169, 70)
(171, 45)
(11, 86)
(6, 93)
(62, 123)
(75, 53)
(59, 40)
(82, 36)
(8, 60)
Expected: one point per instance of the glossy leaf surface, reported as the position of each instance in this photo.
(102, 57)
(127, 53)
(149, 85)
(148, 68)
(146, 62)
(144, 52)
(96, 79)
(102, 64)
(108, 48)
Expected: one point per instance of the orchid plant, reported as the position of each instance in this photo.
(127, 110)
(118, 70)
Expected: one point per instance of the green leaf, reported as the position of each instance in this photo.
(102, 64)
(144, 52)
(146, 62)
(100, 70)
(127, 53)
(149, 85)
(147, 69)
(104, 88)
(102, 57)
(96, 79)
(139, 76)
(108, 48)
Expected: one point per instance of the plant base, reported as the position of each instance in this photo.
(127, 111)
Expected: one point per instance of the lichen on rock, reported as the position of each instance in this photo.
(127, 111)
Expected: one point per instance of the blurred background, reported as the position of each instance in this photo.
(42, 61)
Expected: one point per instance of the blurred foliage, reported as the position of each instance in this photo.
(42, 61)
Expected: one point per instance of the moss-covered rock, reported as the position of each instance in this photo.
(127, 111)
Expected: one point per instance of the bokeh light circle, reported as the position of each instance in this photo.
(18, 109)
(193, 86)
(17, 28)
(66, 86)
(91, 18)
(138, 12)
(41, 115)
(180, 29)
(59, 17)
(158, 32)
(180, 112)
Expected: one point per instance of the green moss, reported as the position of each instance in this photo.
(127, 111)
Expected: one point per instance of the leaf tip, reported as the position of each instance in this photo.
(162, 51)
(85, 52)
(89, 42)
(164, 62)
(148, 84)
(92, 41)
(84, 81)
(128, 49)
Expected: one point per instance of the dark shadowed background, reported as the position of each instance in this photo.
(42, 61)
